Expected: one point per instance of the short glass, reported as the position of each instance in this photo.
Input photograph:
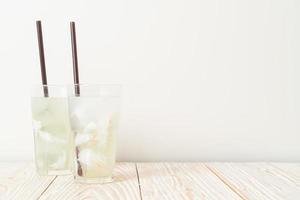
(51, 129)
(94, 116)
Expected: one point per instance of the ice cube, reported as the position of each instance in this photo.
(81, 120)
(90, 128)
(60, 162)
(37, 125)
(104, 122)
(89, 134)
(80, 110)
(89, 157)
(75, 122)
(48, 137)
(45, 136)
(82, 138)
(77, 118)
(104, 126)
(39, 105)
(59, 140)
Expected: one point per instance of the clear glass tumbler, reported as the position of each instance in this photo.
(94, 116)
(51, 129)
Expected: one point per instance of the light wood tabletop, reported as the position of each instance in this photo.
(18, 180)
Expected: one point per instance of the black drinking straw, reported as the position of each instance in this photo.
(75, 59)
(76, 80)
(42, 57)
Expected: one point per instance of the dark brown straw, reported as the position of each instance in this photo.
(75, 59)
(42, 57)
(76, 81)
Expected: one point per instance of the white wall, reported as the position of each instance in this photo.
(203, 80)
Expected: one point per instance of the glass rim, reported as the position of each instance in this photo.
(94, 84)
(80, 84)
(88, 90)
(95, 90)
(48, 91)
(47, 85)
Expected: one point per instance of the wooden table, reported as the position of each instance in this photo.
(159, 181)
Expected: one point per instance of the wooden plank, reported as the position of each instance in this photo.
(181, 181)
(290, 171)
(125, 186)
(18, 180)
(258, 180)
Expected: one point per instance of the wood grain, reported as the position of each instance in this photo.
(125, 186)
(181, 181)
(289, 170)
(260, 180)
(18, 180)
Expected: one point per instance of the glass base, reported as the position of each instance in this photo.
(101, 180)
(54, 172)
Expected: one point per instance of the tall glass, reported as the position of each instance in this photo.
(51, 129)
(94, 116)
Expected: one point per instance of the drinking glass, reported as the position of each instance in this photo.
(94, 117)
(51, 129)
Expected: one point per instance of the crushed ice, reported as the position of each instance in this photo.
(89, 157)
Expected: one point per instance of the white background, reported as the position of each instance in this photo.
(202, 79)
